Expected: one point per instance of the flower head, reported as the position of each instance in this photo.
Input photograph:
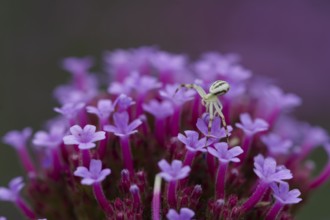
(51, 139)
(178, 98)
(121, 126)
(284, 195)
(77, 65)
(224, 154)
(276, 144)
(192, 142)
(217, 131)
(173, 171)
(103, 110)
(267, 170)
(12, 192)
(185, 214)
(251, 127)
(158, 109)
(70, 110)
(17, 139)
(93, 174)
(123, 102)
(84, 137)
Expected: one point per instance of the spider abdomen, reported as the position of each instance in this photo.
(219, 87)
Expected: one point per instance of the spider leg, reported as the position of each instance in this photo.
(218, 108)
(198, 89)
(210, 109)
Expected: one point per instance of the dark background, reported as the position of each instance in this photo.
(286, 40)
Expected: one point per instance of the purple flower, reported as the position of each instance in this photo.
(276, 144)
(251, 127)
(123, 102)
(77, 65)
(142, 84)
(284, 195)
(267, 170)
(192, 142)
(217, 131)
(164, 61)
(173, 171)
(70, 110)
(84, 138)
(224, 154)
(275, 97)
(51, 139)
(315, 136)
(17, 139)
(3, 218)
(178, 98)
(103, 110)
(12, 192)
(121, 126)
(69, 94)
(185, 214)
(158, 109)
(94, 174)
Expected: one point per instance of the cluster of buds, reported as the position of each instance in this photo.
(107, 153)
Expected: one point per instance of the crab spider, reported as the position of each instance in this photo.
(211, 101)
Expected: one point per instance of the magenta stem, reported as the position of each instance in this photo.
(321, 178)
(171, 192)
(127, 154)
(160, 130)
(175, 126)
(274, 211)
(101, 199)
(26, 160)
(220, 182)
(189, 158)
(139, 104)
(102, 149)
(210, 164)
(85, 157)
(246, 147)
(196, 109)
(56, 163)
(80, 80)
(256, 196)
(136, 199)
(26, 210)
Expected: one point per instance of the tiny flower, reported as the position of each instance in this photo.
(12, 192)
(251, 127)
(85, 137)
(51, 139)
(282, 193)
(224, 154)
(70, 110)
(276, 144)
(103, 110)
(276, 97)
(315, 136)
(178, 98)
(17, 139)
(267, 170)
(142, 84)
(123, 102)
(158, 109)
(94, 174)
(173, 171)
(77, 65)
(192, 142)
(217, 131)
(121, 126)
(185, 214)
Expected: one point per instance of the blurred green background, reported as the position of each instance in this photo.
(285, 40)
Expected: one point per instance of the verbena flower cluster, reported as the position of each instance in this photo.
(134, 146)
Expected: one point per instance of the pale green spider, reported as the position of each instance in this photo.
(211, 101)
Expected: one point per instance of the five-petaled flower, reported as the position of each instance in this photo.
(224, 154)
(103, 110)
(94, 174)
(191, 141)
(173, 171)
(121, 126)
(12, 192)
(249, 126)
(284, 195)
(84, 137)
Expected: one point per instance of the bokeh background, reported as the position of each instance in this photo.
(286, 40)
